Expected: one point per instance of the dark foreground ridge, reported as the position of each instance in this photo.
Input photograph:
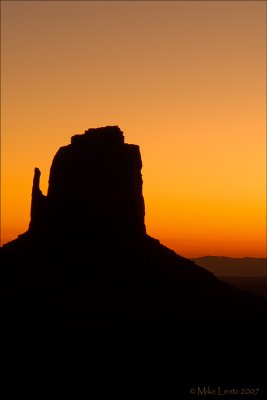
(86, 262)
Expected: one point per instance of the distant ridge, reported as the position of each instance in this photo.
(230, 266)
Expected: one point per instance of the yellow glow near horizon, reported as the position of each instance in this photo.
(186, 81)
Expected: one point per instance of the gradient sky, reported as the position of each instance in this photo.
(185, 80)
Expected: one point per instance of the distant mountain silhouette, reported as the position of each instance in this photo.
(228, 266)
(245, 273)
(86, 261)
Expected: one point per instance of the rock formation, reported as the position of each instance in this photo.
(86, 278)
(38, 205)
(86, 260)
(95, 189)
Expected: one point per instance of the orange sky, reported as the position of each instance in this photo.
(185, 80)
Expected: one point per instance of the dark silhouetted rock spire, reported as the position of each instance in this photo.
(38, 204)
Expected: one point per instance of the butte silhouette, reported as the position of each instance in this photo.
(86, 261)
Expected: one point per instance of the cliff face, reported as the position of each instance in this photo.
(95, 189)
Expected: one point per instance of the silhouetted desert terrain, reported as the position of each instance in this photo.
(87, 266)
(86, 261)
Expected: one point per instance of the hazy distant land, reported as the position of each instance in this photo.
(247, 273)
